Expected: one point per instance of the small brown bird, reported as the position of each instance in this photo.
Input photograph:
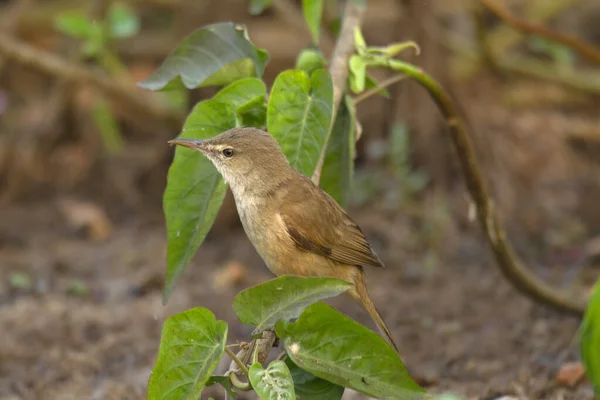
(296, 227)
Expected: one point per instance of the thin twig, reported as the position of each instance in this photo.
(373, 91)
(52, 64)
(237, 361)
(521, 278)
(585, 49)
(353, 14)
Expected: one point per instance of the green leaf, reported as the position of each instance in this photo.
(590, 339)
(338, 168)
(258, 6)
(224, 381)
(310, 60)
(359, 40)
(243, 92)
(283, 298)
(299, 116)
(195, 190)
(247, 97)
(217, 54)
(333, 347)
(123, 21)
(358, 73)
(313, 13)
(371, 82)
(191, 346)
(76, 24)
(275, 382)
(309, 387)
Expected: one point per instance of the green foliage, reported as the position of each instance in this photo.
(283, 298)
(274, 382)
(192, 344)
(215, 55)
(313, 13)
(563, 56)
(195, 190)
(338, 168)
(590, 339)
(299, 116)
(326, 351)
(122, 21)
(78, 25)
(225, 382)
(309, 387)
(310, 60)
(334, 347)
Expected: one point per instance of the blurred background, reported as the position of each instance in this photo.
(83, 163)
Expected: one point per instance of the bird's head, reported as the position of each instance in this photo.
(244, 156)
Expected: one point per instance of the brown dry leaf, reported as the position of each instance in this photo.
(570, 374)
(230, 275)
(87, 216)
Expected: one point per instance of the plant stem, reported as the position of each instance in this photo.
(368, 93)
(516, 273)
(344, 47)
(237, 361)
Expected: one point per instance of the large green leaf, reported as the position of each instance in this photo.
(590, 339)
(242, 92)
(283, 298)
(275, 382)
(299, 116)
(247, 96)
(313, 12)
(216, 54)
(338, 168)
(340, 350)
(191, 346)
(195, 190)
(309, 387)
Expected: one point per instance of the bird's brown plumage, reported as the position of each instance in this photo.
(295, 226)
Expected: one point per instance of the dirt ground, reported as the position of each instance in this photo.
(89, 325)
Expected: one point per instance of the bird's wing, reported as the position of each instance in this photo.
(316, 223)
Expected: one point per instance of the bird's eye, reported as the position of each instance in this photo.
(228, 153)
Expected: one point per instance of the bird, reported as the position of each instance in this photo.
(295, 226)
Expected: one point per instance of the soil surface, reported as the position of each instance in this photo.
(87, 325)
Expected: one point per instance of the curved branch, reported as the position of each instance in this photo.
(585, 49)
(520, 277)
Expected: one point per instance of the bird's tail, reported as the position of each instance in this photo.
(360, 287)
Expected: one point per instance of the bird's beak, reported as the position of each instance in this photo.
(199, 145)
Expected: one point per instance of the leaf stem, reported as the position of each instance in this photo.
(368, 93)
(237, 361)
